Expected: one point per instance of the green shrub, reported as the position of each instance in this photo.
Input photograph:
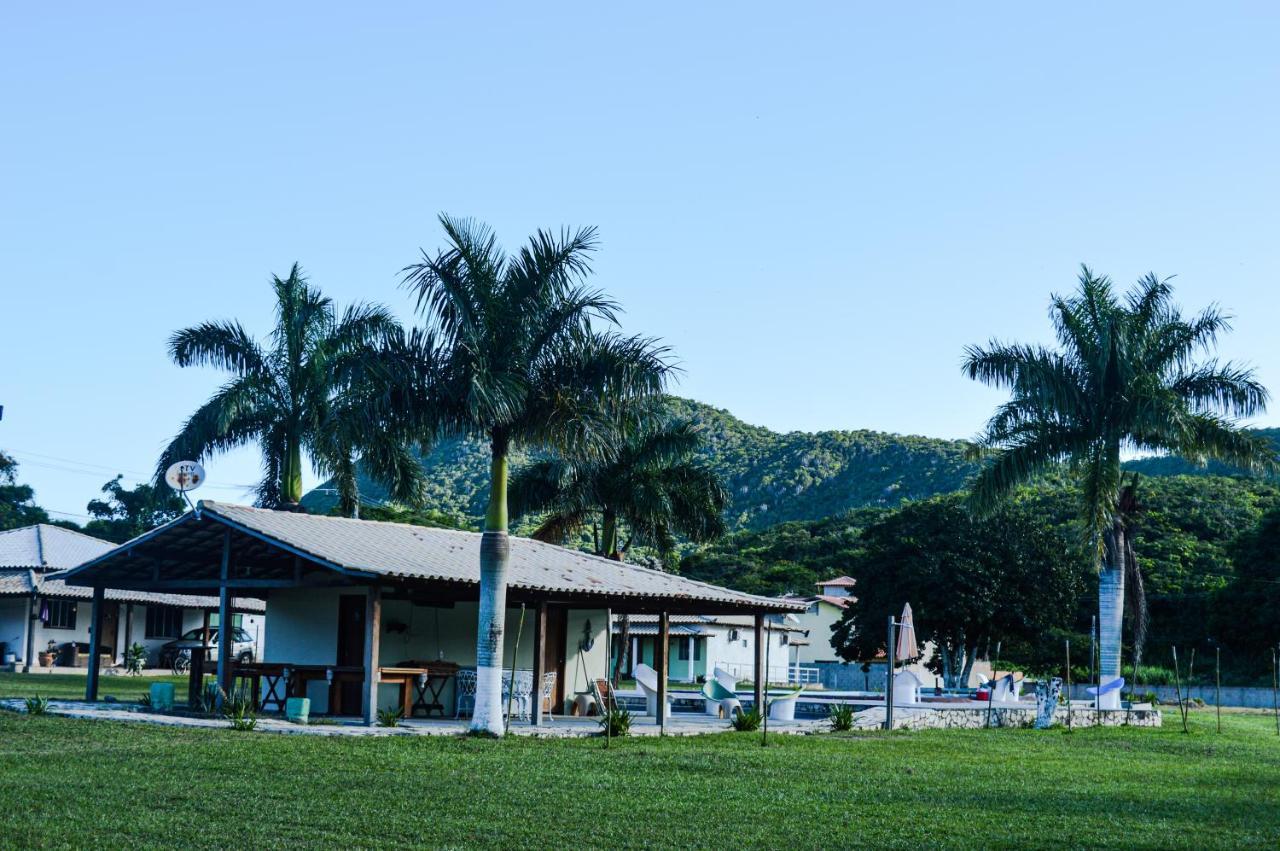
(37, 705)
(617, 722)
(135, 659)
(390, 717)
(745, 722)
(144, 700)
(841, 717)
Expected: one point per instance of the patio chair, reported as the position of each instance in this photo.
(602, 691)
(548, 690)
(524, 694)
(725, 678)
(647, 679)
(465, 691)
(720, 701)
(1106, 688)
(783, 707)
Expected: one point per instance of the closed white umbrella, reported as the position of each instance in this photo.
(907, 648)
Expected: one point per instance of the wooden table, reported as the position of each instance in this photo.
(412, 683)
(428, 692)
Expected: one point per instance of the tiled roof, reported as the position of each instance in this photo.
(842, 602)
(402, 550)
(20, 582)
(45, 547)
(839, 582)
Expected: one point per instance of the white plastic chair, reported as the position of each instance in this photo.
(647, 679)
(465, 691)
(906, 688)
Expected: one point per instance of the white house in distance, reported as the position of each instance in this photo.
(701, 643)
(825, 610)
(37, 611)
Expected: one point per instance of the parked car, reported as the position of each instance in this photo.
(176, 654)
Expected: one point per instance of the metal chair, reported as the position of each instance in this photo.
(548, 689)
(465, 690)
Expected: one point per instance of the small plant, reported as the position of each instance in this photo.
(616, 722)
(135, 659)
(144, 700)
(37, 705)
(841, 717)
(238, 708)
(746, 722)
(390, 717)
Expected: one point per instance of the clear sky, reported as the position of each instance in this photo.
(816, 205)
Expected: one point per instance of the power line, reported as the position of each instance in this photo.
(85, 468)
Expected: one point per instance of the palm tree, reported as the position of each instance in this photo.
(652, 485)
(311, 389)
(1128, 375)
(509, 355)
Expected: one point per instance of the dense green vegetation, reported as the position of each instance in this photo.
(939, 788)
(771, 477)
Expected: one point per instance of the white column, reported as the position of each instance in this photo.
(688, 671)
(634, 659)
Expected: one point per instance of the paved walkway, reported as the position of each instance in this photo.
(681, 724)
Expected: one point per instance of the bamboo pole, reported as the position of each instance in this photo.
(889, 651)
(1069, 727)
(511, 689)
(1217, 684)
(1275, 688)
(991, 692)
(1177, 685)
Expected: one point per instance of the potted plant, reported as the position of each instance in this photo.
(47, 656)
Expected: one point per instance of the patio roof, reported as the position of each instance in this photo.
(44, 547)
(281, 549)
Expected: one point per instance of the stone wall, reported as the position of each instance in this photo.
(955, 719)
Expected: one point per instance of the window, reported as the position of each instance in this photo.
(164, 621)
(62, 614)
(697, 649)
(684, 651)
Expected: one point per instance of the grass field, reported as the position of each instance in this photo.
(71, 686)
(66, 782)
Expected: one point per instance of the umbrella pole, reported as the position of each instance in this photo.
(889, 651)
(991, 692)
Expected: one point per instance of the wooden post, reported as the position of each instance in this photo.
(225, 632)
(660, 656)
(95, 635)
(760, 673)
(539, 660)
(372, 653)
(128, 630)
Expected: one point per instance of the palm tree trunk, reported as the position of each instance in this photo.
(1111, 610)
(495, 555)
(291, 473)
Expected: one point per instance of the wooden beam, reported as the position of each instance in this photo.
(761, 673)
(95, 638)
(225, 632)
(372, 653)
(539, 660)
(660, 656)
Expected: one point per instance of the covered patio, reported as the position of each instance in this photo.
(364, 615)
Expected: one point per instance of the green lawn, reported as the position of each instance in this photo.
(71, 686)
(66, 782)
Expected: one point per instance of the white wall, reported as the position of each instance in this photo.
(818, 620)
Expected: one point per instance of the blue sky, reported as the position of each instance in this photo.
(816, 206)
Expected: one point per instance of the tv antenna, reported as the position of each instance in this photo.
(184, 477)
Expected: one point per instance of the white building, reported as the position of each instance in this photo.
(698, 644)
(39, 614)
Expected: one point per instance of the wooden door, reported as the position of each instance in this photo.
(553, 658)
(110, 626)
(351, 608)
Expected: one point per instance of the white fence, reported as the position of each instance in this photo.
(793, 674)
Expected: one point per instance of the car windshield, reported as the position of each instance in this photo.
(198, 633)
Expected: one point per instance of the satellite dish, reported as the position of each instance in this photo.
(184, 476)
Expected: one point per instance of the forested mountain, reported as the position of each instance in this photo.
(772, 477)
